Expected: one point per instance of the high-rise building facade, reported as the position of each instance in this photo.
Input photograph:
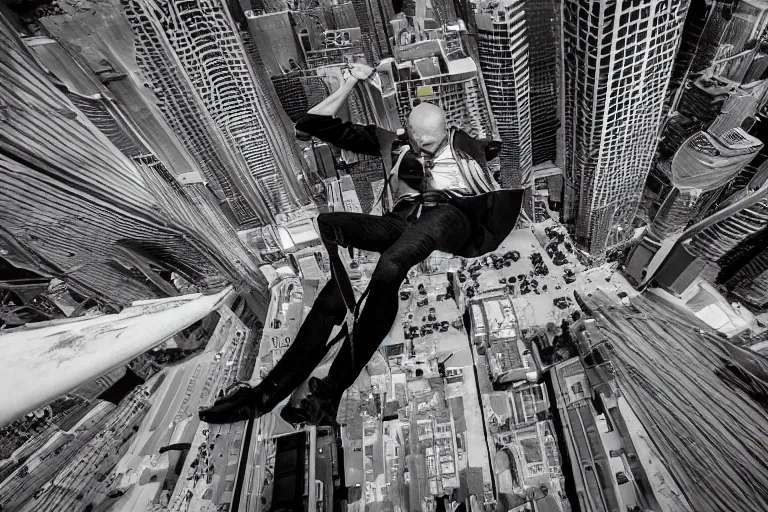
(373, 17)
(194, 58)
(736, 244)
(704, 163)
(717, 86)
(618, 58)
(703, 30)
(457, 92)
(542, 19)
(744, 267)
(85, 200)
(503, 46)
(189, 119)
(716, 241)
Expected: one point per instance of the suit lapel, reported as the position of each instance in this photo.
(469, 146)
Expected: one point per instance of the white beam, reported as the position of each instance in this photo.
(41, 362)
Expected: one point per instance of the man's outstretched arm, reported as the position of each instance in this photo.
(320, 121)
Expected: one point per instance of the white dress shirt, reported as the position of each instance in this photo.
(444, 172)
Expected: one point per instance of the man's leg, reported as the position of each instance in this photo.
(352, 230)
(442, 228)
(366, 232)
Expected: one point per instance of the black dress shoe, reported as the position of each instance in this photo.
(294, 415)
(318, 407)
(321, 386)
(318, 412)
(241, 402)
(322, 404)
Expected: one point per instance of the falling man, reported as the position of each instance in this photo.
(445, 198)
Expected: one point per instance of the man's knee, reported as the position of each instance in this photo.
(325, 222)
(389, 270)
(328, 229)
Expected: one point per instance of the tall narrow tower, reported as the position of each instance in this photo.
(374, 17)
(503, 46)
(543, 24)
(618, 58)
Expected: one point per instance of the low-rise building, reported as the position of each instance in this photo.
(494, 325)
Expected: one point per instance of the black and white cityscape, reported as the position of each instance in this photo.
(384, 255)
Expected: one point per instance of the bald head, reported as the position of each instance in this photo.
(426, 116)
(427, 128)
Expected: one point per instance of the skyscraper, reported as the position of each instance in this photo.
(703, 164)
(704, 26)
(374, 17)
(105, 43)
(78, 208)
(542, 19)
(715, 92)
(457, 92)
(727, 43)
(618, 58)
(107, 341)
(503, 46)
(197, 64)
(750, 284)
(737, 243)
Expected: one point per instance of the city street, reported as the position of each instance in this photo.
(173, 419)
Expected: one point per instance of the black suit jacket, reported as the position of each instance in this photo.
(492, 214)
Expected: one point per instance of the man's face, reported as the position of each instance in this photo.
(426, 141)
(427, 130)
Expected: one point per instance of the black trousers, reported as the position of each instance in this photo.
(402, 245)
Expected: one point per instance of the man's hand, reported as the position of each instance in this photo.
(361, 71)
(331, 105)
